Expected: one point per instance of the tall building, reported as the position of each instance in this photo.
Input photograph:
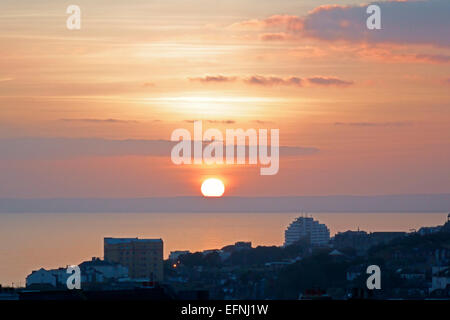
(142, 257)
(306, 227)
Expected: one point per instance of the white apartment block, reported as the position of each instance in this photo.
(317, 233)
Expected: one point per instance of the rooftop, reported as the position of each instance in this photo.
(128, 240)
(96, 262)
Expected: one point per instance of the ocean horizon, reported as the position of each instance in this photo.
(30, 241)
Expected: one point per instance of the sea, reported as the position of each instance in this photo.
(30, 241)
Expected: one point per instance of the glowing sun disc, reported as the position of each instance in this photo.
(213, 188)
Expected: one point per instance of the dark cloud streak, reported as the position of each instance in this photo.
(373, 124)
(65, 148)
(99, 120)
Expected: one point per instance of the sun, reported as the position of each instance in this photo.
(213, 188)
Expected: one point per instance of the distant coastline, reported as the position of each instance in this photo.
(433, 203)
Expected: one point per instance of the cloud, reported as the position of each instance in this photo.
(231, 121)
(385, 54)
(286, 22)
(221, 121)
(402, 22)
(213, 121)
(327, 81)
(263, 122)
(274, 81)
(436, 58)
(373, 124)
(61, 148)
(65, 148)
(297, 82)
(214, 79)
(99, 120)
(269, 81)
(279, 36)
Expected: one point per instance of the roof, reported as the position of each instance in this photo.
(128, 240)
(336, 252)
(96, 262)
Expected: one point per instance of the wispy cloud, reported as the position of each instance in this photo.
(383, 53)
(269, 81)
(99, 120)
(214, 79)
(373, 124)
(274, 81)
(257, 121)
(298, 82)
(329, 81)
(286, 22)
(263, 122)
(214, 121)
(278, 36)
(436, 58)
(64, 148)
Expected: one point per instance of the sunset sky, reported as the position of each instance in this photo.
(89, 113)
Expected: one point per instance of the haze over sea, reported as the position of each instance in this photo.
(29, 241)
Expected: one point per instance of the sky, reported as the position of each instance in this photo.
(90, 112)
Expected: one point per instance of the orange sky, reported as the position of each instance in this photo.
(376, 108)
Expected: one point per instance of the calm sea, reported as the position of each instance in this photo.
(31, 241)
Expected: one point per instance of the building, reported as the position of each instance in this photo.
(362, 241)
(52, 278)
(446, 226)
(174, 255)
(142, 257)
(96, 271)
(101, 271)
(440, 279)
(377, 238)
(8, 294)
(242, 245)
(357, 240)
(429, 230)
(210, 251)
(306, 227)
